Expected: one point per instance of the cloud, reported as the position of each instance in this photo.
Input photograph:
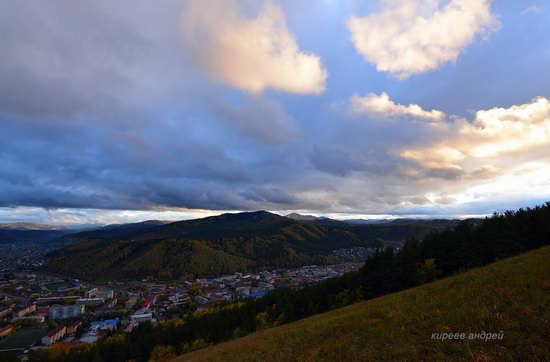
(494, 132)
(382, 105)
(533, 8)
(261, 119)
(518, 132)
(408, 37)
(251, 54)
(105, 112)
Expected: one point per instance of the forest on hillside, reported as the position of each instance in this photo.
(224, 244)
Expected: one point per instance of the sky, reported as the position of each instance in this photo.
(121, 111)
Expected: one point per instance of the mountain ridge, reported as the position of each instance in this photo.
(236, 241)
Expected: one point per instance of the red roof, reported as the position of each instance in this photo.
(6, 328)
(56, 331)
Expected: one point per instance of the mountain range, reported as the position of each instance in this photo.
(222, 244)
(29, 232)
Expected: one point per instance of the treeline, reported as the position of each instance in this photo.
(438, 255)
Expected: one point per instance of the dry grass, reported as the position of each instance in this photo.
(512, 296)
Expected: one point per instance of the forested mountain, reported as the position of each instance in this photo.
(401, 229)
(318, 220)
(220, 244)
(203, 247)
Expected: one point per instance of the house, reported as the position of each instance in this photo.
(4, 331)
(146, 304)
(66, 311)
(42, 311)
(4, 311)
(23, 311)
(31, 319)
(72, 328)
(54, 336)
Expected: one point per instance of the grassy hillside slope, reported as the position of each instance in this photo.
(511, 295)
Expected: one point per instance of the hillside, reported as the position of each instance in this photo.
(511, 295)
(217, 245)
(204, 247)
(29, 232)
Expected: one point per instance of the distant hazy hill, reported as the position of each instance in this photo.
(217, 245)
(29, 232)
(109, 231)
(29, 226)
(318, 220)
(509, 296)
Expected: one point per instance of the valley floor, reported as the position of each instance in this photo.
(508, 299)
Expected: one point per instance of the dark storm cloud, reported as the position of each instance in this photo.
(263, 120)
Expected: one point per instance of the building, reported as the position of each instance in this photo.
(92, 293)
(105, 294)
(132, 300)
(111, 303)
(105, 325)
(42, 311)
(23, 311)
(66, 311)
(139, 318)
(5, 311)
(5, 330)
(90, 301)
(31, 319)
(259, 294)
(72, 328)
(54, 336)
(200, 300)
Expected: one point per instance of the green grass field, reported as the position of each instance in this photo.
(511, 295)
(23, 338)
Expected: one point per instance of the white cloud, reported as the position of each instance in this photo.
(384, 106)
(533, 8)
(415, 36)
(251, 54)
(495, 134)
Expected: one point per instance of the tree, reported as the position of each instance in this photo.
(162, 354)
(427, 271)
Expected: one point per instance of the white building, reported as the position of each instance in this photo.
(139, 318)
(66, 311)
